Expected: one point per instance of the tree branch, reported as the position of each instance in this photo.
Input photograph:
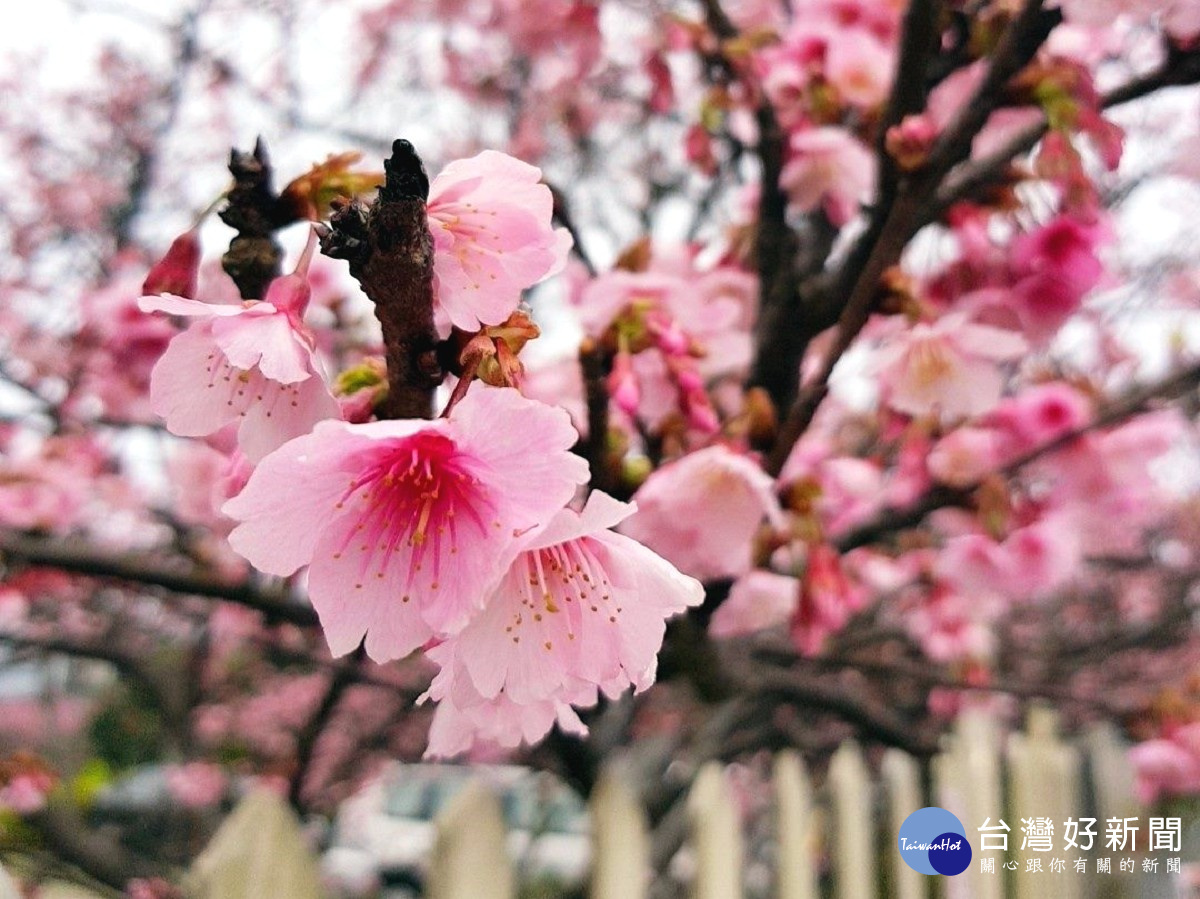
(972, 177)
(594, 363)
(918, 45)
(77, 557)
(99, 857)
(103, 652)
(390, 251)
(306, 741)
(255, 212)
(892, 520)
(894, 223)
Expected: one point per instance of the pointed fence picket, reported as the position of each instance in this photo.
(620, 846)
(716, 836)
(795, 829)
(853, 824)
(258, 851)
(470, 853)
(839, 841)
(967, 782)
(902, 786)
(1044, 782)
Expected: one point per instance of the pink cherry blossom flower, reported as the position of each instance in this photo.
(952, 626)
(1040, 558)
(964, 456)
(1179, 18)
(828, 167)
(757, 601)
(254, 364)
(701, 512)
(492, 238)
(579, 605)
(1037, 416)
(1032, 561)
(972, 564)
(124, 346)
(41, 493)
(613, 294)
(827, 600)
(406, 525)
(948, 367)
(1054, 267)
(25, 793)
(558, 382)
(860, 67)
(1164, 767)
(1107, 485)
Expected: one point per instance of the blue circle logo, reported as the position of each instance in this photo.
(933, 841)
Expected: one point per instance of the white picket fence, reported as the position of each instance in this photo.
(846, 829)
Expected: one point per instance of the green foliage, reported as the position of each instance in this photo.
(127, 730)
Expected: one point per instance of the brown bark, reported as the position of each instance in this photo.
(390, 251)
(254, 211)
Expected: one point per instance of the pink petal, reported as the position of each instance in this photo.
(174, 305)
(355, 598)
(599, 513)
(301, 482)
(524, 445)
(266, 341)
(283, 413)
(182, 390)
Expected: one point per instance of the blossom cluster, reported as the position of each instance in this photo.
(455, 536)
(860, 372)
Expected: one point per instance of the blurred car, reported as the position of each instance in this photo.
(390, 822)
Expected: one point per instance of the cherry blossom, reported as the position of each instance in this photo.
(1167, 766)
(492, 237)
(196, 784)
(948, 368)
(827, 599)
(405, 525)
(464, 720)
(580, 604)
(702, 511)
(758, 600)
(964, 456)
(255, 364)
(829, 169)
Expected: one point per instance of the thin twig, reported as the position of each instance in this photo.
(79, 557)
(1114, 412)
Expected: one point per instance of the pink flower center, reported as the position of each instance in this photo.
(555, 578)
(410, 496)
(929, 362)
(247, 388)
(1055, 414)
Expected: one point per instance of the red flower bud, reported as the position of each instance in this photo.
(176, 272)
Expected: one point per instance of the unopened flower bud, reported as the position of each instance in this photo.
(176, 272)
(670, 337)
(291, 293)
(763, 422)
(361, 388)
(909, 142)
(622, 384)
